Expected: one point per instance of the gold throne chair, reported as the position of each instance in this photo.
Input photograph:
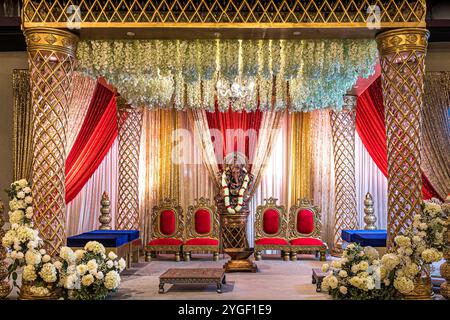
(270, 229)
(166, 230)
(202, 229)
(304, 230)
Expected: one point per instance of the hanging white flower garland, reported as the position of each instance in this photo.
(226, 193)
(301, 75)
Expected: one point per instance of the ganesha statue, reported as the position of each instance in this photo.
(232, 201)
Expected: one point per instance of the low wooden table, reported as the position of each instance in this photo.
(317, 278)
(193, 276)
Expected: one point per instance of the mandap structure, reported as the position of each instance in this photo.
(54, 30)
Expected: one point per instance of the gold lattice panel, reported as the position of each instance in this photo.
(223, 13)
(51, 63)
(343, 132)
(402, 58)
(130, 127)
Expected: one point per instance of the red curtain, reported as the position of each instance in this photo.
(371, 129)
(94, 140)
(233, 140)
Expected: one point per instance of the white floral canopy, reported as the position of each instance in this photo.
(301, 75)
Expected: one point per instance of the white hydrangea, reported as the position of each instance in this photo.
(402, 241)
(431, 255)
(112, 255)
(122, 264)
(112, 280)
(371, 253)
(92, 266)
(79, 254)
(16, 216)
(33, 257)
(403, 285)
(67, 255)
(343, 274)
(94, 247)
(390, 261)
(48, 273)
(29, 273)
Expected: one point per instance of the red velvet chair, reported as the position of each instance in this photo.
(202, 229)
(270, 229)
(166, 230)
(304, 230)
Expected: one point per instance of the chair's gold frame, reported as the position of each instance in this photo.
(205, 204)
(294, 234)
(271, 203)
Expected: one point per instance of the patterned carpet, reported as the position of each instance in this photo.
(275, 279)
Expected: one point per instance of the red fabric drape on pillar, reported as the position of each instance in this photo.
(233, 140)
(94, 140)
(371, 129)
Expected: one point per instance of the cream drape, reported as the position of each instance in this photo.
(84, 210)
(436, 131)
(322, 176)
(83, 89)
(369, 178)
(275, 180)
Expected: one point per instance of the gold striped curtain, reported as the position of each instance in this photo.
(23, 125)
(436, 131)
(171, 166)
(300, 164)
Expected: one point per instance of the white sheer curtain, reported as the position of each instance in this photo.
(275, 180)
(83, 211)
(369, 179)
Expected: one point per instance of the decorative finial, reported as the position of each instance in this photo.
(105, 217)
(369, 217)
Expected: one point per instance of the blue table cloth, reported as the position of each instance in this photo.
(131, 234)
(373, 238)
(107, 240)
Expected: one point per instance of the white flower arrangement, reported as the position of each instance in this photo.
(396, 271)
(90, 274)
(356, 276)
(24, 246)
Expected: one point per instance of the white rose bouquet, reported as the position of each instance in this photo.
(356, 276)
(89, 274)
(23, 245)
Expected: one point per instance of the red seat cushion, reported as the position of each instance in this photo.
(165, 242)
(306, 242)
(271, 221)
(167, 222)
(202, 221)
(202, 242)
(271, 241)
(305, 221)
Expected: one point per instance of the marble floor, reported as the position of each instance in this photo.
(275, 279)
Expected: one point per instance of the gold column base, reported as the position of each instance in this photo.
(239, 260)
(423, 289)
(244, 265)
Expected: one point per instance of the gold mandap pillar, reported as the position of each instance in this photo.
(130, 127)
(402, 58)
(51, 59)
(343, 131)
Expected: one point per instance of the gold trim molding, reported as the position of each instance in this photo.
(403, 40)
(224, 13)
(51, 39)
